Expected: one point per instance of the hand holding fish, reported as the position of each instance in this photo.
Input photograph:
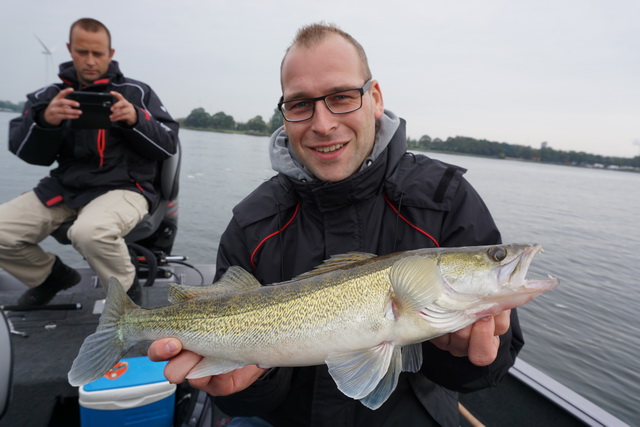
(362, 315)
(181, 362)
(479, 341)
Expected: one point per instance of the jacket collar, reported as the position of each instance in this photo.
(69, 76)
(368, 182)
(326, 196)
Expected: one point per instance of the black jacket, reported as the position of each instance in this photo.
(400, 202)
(94, 161)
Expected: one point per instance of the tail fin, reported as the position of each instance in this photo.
(102, 349)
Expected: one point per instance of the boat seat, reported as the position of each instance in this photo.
(6, 364)
(156, 232)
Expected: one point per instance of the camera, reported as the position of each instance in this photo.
(96, 109)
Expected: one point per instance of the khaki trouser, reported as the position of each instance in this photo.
(97, 233)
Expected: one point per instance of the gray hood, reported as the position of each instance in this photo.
(283, 159)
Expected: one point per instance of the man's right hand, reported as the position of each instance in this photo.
(60, 108)
(181, 362)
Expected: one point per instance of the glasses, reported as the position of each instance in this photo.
(341, 102)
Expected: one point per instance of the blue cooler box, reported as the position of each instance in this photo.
(133, 393)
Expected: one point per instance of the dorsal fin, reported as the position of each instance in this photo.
(235, 279)
(336, 262)
(416, 281)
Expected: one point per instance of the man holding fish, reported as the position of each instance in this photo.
(345, 183)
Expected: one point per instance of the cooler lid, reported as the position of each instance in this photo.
(129, 372)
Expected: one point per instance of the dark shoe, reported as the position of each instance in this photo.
(135, 292)
(61, 277)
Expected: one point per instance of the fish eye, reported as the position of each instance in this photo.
(497, 253)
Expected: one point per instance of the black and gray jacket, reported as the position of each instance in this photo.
(398, 201)
(94, 161)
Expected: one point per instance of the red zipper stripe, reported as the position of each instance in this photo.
(408, 222)
(54, 200)
(101, 144)
(255, 251)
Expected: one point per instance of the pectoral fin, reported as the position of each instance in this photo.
(417, 282)
(358, 373)
(211, 366)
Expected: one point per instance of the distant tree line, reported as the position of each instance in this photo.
(200, 119)
(10, 106)
(502, 150)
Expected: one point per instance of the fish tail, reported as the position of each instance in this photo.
(101, 350)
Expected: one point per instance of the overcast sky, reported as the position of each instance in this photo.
(521, 72)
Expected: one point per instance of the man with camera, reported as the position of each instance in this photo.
(105, 174)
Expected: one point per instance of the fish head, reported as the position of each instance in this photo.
(493, 275)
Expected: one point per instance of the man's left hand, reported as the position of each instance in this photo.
(123, 110)
(479, 341)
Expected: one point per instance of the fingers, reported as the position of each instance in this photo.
(118, 96)
(177, 369)
(180, 362)
(164, 349)
(479, 342)
(456, 343)
(503, 322)
(123, 110)
(483, 343)
(231, 382)
(60, 108)
(63, 94)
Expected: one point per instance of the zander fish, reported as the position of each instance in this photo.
(363, 315)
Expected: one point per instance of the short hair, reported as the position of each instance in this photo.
(91, 25)
(312, 34)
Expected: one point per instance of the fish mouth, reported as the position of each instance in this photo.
(541, 285)
(513, 274)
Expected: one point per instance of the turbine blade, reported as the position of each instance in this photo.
(46, 49)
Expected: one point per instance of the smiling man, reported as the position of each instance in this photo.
(346, 183)
(330, 146)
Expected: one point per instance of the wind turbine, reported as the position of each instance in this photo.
(48, 59)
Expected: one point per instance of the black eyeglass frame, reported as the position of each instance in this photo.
(313, 101)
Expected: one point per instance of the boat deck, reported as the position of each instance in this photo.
(41, 395)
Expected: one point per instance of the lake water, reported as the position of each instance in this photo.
(584, 333)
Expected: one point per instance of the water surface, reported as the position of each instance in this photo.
(584, 333)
